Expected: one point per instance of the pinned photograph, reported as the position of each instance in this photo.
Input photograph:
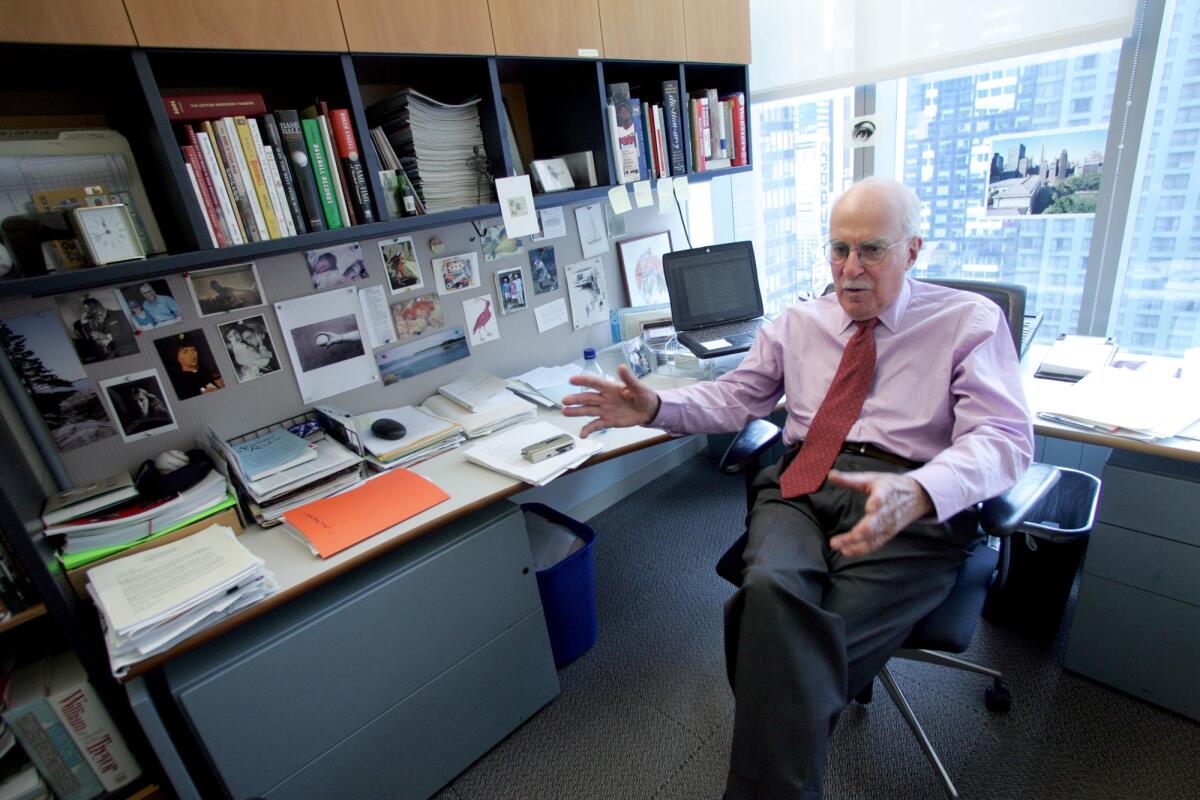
(190, 365)
(149, 304)
(324, 339)
(224, 289)
(554, 224)
(49, 368)
(1046, 172)
(638, 356)
(416, 316)
(496, 244)
(139, 405)
(614, 223)
(428, 352)
(593, 233)
(863, 131)
(455, 273)
(544, 270)
(586, 288)
(97, 326)
(337, 266)
(516, 205)
(510, 288)
(642, 268)
(248, 343)
(327, 342)
(481, 320)
(401, 265)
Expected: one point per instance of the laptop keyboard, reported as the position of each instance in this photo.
(730, 331)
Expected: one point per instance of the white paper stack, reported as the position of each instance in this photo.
(546, 386)
(504, 413)
(502, 453)
(151, 601)
(1139, 404)
(474, 390)
(425, 436)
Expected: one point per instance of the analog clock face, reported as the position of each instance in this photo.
(108, 232)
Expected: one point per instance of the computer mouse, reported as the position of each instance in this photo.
(386, 428)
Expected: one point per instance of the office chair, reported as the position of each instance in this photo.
(948, 628)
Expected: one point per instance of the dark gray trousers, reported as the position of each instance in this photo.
(808, 628)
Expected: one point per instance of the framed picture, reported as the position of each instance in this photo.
(149, 305)
(593, 232)
(638, 356)
(250, 349)
(337, 266)
(139, 405)
(642, 268)
(401, 265)
(456, 273)
(224, 289)
(510, 288)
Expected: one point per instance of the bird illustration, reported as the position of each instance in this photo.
(483, 318)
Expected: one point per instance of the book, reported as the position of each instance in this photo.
(356, 178)
(501, 453)
(624, 135)
(88, 498)
(740, 152)
(221, 183)
(223, 147)
(205, 194)
(249, 191)
(275, 183)
(270, 453)
(257, 177)
(488, 420)
(278, 204)
(330, 525)
(196, 107)
(321, 174)
(1072, 357)
(208, 183)
(475, 390)
(652, 165)
(581, 167)
(78, 707)
(716, 124)
(195, 184)
(336, 180)
(639, 131)
(297, 153)
(696, 120)
(672, 116)
(282, 154)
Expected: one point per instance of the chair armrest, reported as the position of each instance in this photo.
(751, 442)
(1001, 515)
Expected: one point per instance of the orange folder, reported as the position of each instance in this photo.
(334, 523)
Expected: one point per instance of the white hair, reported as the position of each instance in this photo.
(905, 205)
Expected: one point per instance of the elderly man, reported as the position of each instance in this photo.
(904, 408)
(159, 307)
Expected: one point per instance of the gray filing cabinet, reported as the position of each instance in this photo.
(386, 682)
(1137, 618)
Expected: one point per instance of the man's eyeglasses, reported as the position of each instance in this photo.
(869, 253)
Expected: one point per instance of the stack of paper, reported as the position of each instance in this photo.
(1138, 404)
(1071, 357)
(151, 601)
(502, 453)
(425, 436)
(503, 413)
(80, 501)
(440, 147)
(546, 386)
(474, 390)
(274, 451)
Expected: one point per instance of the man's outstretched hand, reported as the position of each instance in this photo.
(894, 502)
(614, 404)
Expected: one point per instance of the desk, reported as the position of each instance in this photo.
(382, 671)
(1137, 615)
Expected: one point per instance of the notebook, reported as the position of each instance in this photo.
(716, 305)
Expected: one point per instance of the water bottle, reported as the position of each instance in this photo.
(592, 367)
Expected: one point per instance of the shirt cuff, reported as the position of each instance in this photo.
(941, 484)
(670, 413)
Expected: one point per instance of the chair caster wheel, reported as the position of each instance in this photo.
(997, 697)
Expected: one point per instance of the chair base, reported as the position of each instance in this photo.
(997, 698)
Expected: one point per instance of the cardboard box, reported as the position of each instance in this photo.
(227, 517)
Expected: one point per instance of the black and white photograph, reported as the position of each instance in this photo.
(587, 290)
(337, 266)
(543, 269)
(189, 364)
(401, 265)
(225, 289)
(323, 334)
(1046, 172)
(149, 304)
(327, 342)
(510, 288)
(49, 368)
(250, 349)
(97, 326)
(139, 405)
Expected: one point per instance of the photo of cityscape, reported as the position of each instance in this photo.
(1046, 172)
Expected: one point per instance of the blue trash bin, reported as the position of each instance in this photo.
(568, 590)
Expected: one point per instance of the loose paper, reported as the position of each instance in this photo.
(377, 316)
(643, 194)
(666, 199)
(554, 225)
(619, 197)
(588, 292)
(551, 315)
(481, 320)
(516, 206)
(323, 333)
(680, 185)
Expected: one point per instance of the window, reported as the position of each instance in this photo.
(1081, 105)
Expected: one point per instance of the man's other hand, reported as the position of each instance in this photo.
(894, 501)
(614, 404)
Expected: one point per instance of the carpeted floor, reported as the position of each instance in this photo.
(646, 714)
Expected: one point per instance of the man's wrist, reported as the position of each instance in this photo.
(657, 407)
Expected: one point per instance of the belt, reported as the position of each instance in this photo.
(871, 451)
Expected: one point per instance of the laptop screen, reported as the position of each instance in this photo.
(712, 285)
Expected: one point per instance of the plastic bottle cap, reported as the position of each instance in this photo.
(589, 352)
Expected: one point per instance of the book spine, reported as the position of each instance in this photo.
(698, 136)
(53, 752)
(335, 172)
(208, 225)
(213, 165)
(714, 124)
(651, 147)
(259, 180)
(207, 181)
(674, 120)
(204, 194)
(352, 161)
(243, 173)
(727, 117)
(660, 130)
(320, 169)
(233, 182)
(278, 203)
(614, 135)
(301, 166)
(276, 184)
(196, 107)
(640, 137)
(739, 129)
(89, 726)
(271, 131)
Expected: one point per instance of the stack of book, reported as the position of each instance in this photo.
(151, 601)
(479, 404)
(22, 782)
(89, 498)
(425, 436)
(718, 130)
(502, 453)
(261, 176)
(647, 138)
(437, 146)
(546, 386)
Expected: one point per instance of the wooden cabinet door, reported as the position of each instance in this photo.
(717, 30)
(65, 22)
(238, 24)
(562, 28)
(648, 30)
(418, 26)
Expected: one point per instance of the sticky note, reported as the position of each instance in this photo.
(618, 196)
(643, 194)
(680, 185)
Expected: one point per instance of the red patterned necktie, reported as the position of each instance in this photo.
(837, 413)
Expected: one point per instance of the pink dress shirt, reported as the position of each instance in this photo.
(947, 389)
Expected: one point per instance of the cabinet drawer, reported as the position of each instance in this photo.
(420, 744)
(1159, 504)
(238, 24)
(1145, 562)
(272, 699)
(1137, 642)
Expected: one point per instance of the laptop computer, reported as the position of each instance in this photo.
(715, 301)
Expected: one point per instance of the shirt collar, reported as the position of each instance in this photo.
(890, 318)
